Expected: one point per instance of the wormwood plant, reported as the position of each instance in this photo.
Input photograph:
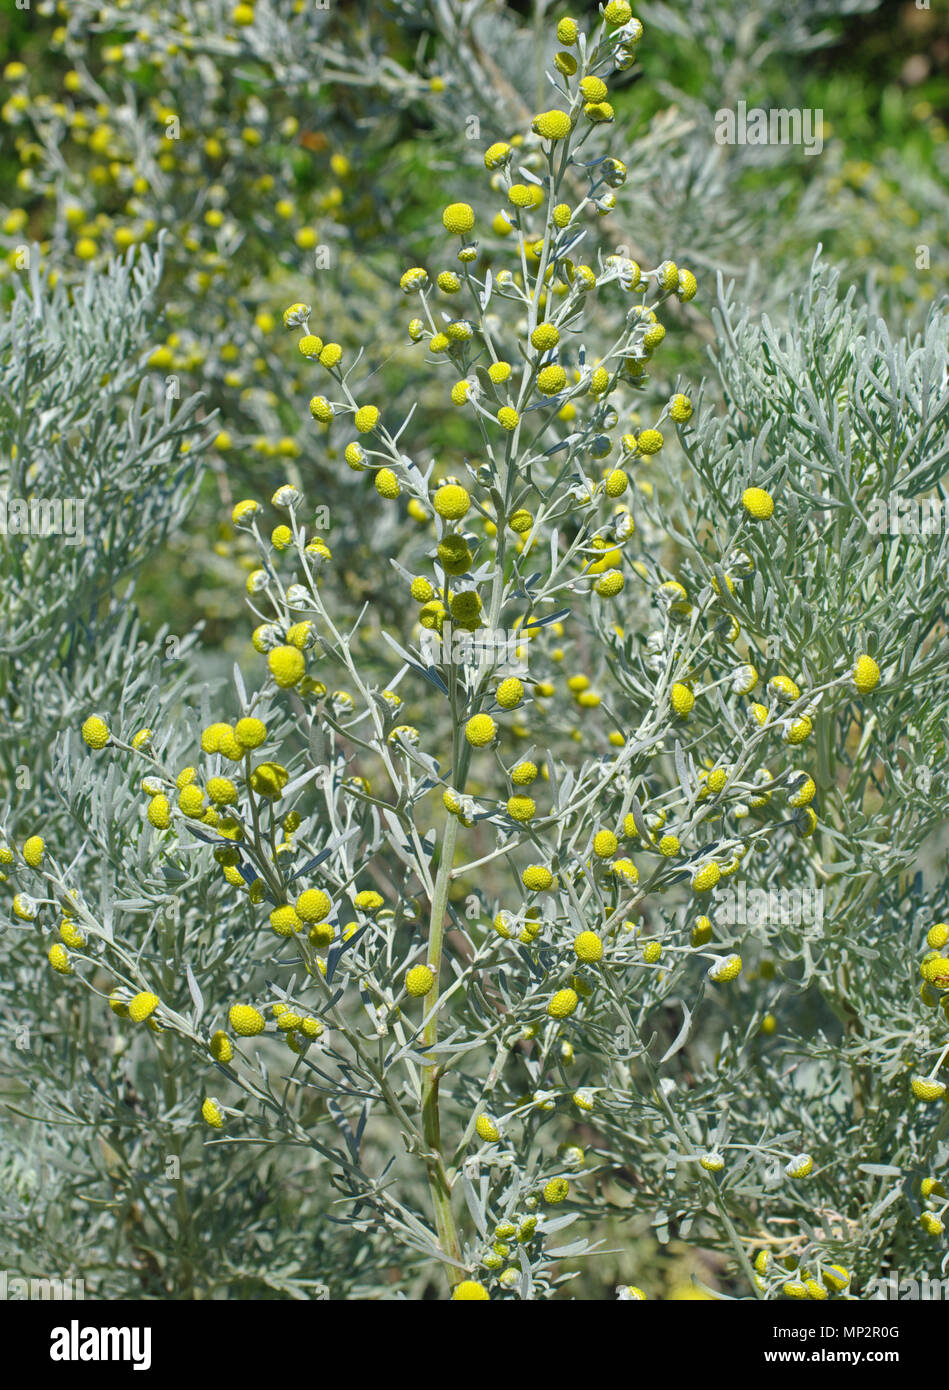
(591, 891)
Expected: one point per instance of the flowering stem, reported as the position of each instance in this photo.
(431, 1121)
(431, 1124)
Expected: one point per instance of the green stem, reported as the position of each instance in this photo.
(431, 1123)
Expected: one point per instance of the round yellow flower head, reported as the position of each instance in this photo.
(625, 869)
(143, 1006)
(220, 1047)
(556, 1191)
(366, 418)
(610, 584)
(117, 1004)
(866, 674)
(284, 920)
(95, 732)
(757, 503)
(71, 935)
(725, 969)
(413, 280)
(631, 1293)
(537, 878)
(250, 733)
(784, 689)
(836, 1277)
(191, 801)
(387, 484)
(931, 1224)
(524, 774)
(458, 218)
(593, 88)
(310, 345)
(287, 666)
(313, 905)
(712, 1162)
(480, 730)
(466, 608)
(510, 693)
(295, 315)
(552, 125)
(605, 844)
(938, 935)
(58, 958)
(800, 1166)
(687, 285)
(551, 380)
(525, 196)
(368, 900)
(544, 337)
(222, 791)
(802, 789)
(935, 971)
(928, 1088)
(563, 1003)
(452, 502)
(799, 729)
(701, 931)
(212, 1113)
(521, 808)
(470, 1291)
(33, 851)
(245, 1020)
(159, 812)
(487, 1130)
(421, 590)
(419, 981)
(497, 154)
(681, 699)
(588, 947)
(321, 934)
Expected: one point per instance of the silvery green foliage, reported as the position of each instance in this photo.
(99, 466)
(101, 451)
(838, 419)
